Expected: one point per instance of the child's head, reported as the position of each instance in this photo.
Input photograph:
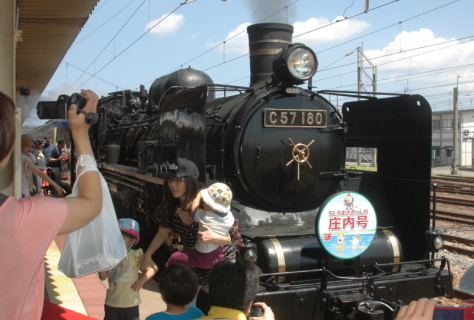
(218, 197)
(27, 142)
(178, 285)
(130, 229)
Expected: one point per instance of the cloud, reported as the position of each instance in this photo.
(441, 55)
(236, 42)
(398, 58)
(165, 26)
(339, 31)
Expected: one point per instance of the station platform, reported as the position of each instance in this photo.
(86, 295)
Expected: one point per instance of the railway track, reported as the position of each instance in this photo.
(452, 179)
(454, 201)
(459, 245)
(456, 198)
(454, 216)
(455, 189)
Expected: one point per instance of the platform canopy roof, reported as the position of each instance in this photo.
(49, 28)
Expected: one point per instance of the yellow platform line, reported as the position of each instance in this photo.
(61, 290)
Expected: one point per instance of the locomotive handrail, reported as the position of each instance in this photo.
(359, 94)
(365, 275)
(237, 88)
(120, 169)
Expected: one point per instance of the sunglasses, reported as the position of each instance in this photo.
(175, 180)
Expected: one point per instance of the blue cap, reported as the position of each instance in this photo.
(131, 227)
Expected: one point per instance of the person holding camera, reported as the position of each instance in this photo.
(233, 286)
(29, 225)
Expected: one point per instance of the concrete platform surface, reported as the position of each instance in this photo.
(86, 295)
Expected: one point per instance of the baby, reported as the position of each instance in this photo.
(215, 215)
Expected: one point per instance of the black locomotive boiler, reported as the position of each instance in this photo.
(281, 148)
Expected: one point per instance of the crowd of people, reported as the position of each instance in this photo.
(43, 170)
(200, 216)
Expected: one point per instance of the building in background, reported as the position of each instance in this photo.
(442, 138)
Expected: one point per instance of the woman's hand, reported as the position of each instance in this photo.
(76, 121)
(423, 309)
(58, 189)
(209, 236)
(147, 262)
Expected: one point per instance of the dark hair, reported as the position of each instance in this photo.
(61, 142)
(7, 129)
(233, 284)
(192, 188)
(128, 235)
(178, 285)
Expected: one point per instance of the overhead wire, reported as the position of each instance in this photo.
(223, 43)
(136, 40)
(85, 71)
(367, 34)
(228, 39)
(111, 40)
(103, 24)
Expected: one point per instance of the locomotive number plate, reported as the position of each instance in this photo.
(295, 118)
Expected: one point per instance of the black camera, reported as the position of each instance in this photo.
(58, 109)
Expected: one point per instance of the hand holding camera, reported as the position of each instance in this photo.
(59, 109)
(261, 311)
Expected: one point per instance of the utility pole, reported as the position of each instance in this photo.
(454, 168)
(361, 57)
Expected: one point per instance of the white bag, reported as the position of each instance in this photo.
(99, 245)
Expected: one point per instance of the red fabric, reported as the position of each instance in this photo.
(52, 311)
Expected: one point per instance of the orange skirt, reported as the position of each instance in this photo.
(45, 183)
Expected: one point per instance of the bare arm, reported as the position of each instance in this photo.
(51, 159)
(103, 275)
(44, 176)
(160, 237)
(147, 274)
(88, 204)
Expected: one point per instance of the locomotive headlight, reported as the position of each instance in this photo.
(249, 252)
(435, 241)
(295, 64)
(438, 243)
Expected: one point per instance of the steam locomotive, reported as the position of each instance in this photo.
(282, 149)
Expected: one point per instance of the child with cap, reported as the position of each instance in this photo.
(122, 298)
(214, 215)
(178, 286)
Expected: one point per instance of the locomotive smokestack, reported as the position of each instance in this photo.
(265, 41)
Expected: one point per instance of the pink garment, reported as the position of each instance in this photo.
(195, 259)
(27, 228)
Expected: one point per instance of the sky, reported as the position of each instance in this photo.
(425, 49)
